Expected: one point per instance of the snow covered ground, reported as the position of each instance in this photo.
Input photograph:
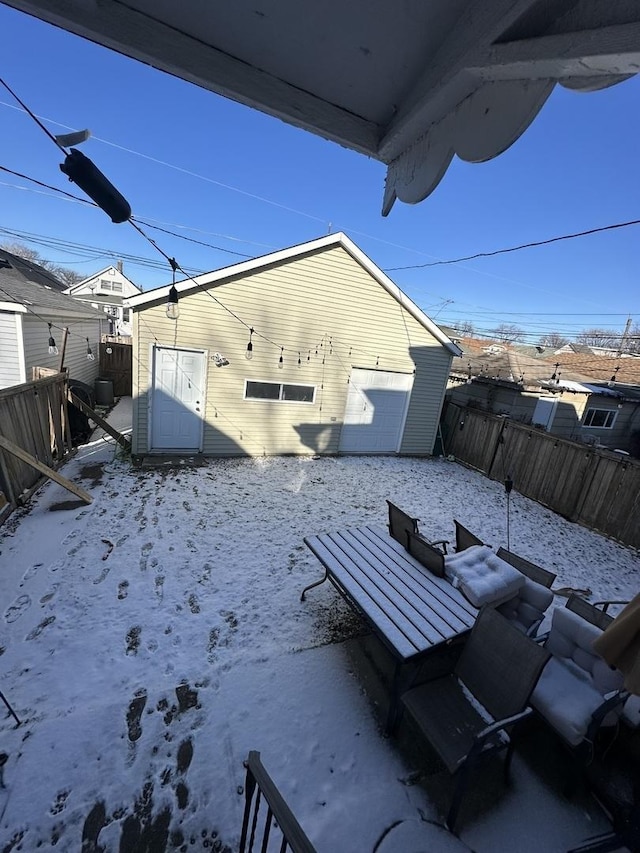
(150, 640)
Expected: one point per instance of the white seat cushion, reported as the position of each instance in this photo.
(566, 698)
(482, 577)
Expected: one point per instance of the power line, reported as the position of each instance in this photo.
(518, 248)
(133, 218)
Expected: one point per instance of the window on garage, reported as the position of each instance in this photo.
(279, 391)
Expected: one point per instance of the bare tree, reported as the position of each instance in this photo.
(632, 340)
(598, 337)
(66, 276)
(555, 340)
(508, 332)
(465, 327)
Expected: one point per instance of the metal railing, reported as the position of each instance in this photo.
(276, 817)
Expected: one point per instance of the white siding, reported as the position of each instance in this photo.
(36, 345)
(10, 344)
(325, 299)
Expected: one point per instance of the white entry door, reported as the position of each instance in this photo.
(177, 405)
(377, 403)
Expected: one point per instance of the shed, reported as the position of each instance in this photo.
(308, 350)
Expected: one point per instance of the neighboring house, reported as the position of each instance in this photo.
(574, 394)
(28, 302)
(106, 290)
(341, 360)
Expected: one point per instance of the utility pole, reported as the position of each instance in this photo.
(625, 335)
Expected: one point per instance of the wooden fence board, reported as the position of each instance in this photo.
(116, 364)
(31, 417)
(594, 487)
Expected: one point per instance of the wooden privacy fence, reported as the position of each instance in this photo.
(116, 363)
(595, 487)
(33, 416)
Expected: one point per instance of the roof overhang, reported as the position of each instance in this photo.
(218, 277)
(409, 84)
(13, 307)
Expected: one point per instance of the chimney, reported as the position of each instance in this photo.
(119, 265)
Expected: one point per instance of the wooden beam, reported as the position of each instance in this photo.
(44, 469)
(122, 440)
(588, 53)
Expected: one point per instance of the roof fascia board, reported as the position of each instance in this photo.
(338, 239)
(14, 307)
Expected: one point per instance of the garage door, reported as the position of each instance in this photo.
(375, 413)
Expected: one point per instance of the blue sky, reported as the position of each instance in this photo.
(249, 184)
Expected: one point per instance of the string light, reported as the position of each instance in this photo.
(299, 361)
(249, 353)
(173, 309)
(53, 349)
(281, 359)
(90, 355)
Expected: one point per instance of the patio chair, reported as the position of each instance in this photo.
(473, 711)
(578, 692)
(533, 572)
(465, 538)
(401, 524)
(592, 613)
(527, 609)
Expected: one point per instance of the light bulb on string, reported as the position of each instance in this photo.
(173, 309)
(53, 349)
(299, 361)
(90, 355)
(281, 359)
(249, 353)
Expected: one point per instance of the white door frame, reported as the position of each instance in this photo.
(151, 386)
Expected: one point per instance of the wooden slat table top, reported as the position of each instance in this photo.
(412, 609)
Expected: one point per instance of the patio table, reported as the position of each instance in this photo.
(412, 611)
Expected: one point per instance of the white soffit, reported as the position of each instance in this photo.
(411, 84)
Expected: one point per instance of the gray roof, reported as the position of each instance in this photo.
(31, 285)
(30, 270)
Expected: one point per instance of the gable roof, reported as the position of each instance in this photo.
(24, 284)
(80, 284)
(283, 255)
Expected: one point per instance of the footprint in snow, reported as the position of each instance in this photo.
(133, 640)
(134, 715)
(46, 598)
(123, 589)
(103, 574)
(15, 610)
(70, 537)
(60, 803)
(40, 628)
(31, 572)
